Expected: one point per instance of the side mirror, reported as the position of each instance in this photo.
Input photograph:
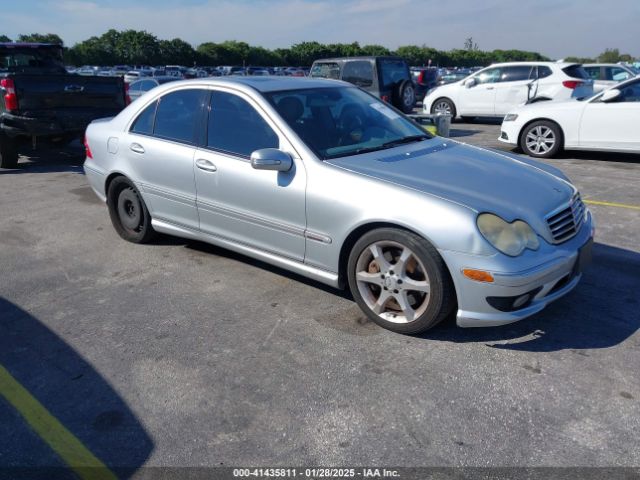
(470, 82)
(610, 95)
(271, 159)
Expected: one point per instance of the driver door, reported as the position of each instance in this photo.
(479, 99)
(259, 208)
(613, 124)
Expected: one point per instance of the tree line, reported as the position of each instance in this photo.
(133, 47)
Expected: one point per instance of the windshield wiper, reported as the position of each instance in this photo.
(383, 146)
(409, 139)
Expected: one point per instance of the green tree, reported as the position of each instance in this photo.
(40, 38)
(175, 52)
(5, 39)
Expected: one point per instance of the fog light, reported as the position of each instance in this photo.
(478, 275)
(521, 300)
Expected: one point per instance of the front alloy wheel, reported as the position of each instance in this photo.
(541, 139)
(399, 280)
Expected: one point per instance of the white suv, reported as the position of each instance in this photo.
(495, 90)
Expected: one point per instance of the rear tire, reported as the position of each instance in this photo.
(541, 139)
(400, 281)
(8, 152)
(129, 214)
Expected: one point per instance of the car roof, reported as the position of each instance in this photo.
(362, 57)
(548, 64)
(268, 84)
(605, 65)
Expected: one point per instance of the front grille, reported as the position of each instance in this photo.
(567, 222)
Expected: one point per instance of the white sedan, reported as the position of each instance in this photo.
(607, 121)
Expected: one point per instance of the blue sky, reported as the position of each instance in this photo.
(556, 28)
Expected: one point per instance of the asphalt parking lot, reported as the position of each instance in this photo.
(183, 354)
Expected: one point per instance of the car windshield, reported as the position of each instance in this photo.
(342, 121)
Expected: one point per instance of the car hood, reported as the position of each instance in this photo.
(482, 180)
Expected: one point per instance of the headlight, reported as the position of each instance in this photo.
(510, 238)
(510, 117)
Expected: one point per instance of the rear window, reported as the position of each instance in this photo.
(31, 60)
(359, 72)
(393, 72)
(326, 70)
(576, 71)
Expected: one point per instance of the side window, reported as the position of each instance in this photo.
(544, 72)
(147, 85)
(594, 72)
(491, 75)
(325, 70)
(236, 127)
(177, 115)
(144, 123)
(360, 73)
(616, 74)
(630, 93)
(515, 74)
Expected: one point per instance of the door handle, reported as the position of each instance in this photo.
(205, 165)
(490, 88)
(136, 147)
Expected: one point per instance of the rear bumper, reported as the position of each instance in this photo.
(50, 125)
(543, 277)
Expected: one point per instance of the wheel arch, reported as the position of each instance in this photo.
(110, 178)
(541, 119)
(444, 97)
(361, 230)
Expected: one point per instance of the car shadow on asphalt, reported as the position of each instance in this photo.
(208, 249)
(461, 132)
(48, 159)
(601, 312)
(59, 386)
(598, 156)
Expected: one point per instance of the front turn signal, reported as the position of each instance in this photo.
(477, 275)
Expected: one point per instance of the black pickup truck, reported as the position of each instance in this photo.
(39, 99)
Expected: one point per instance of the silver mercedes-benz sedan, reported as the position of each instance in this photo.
(321, 178)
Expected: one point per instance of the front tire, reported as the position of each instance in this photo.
(444, 106)
(129, 214)
(400, 281)
(8, 152)
(541, 139)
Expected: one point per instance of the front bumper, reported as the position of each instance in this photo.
(510, 132)
(546, 275)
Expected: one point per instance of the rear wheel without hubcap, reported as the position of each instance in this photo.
(399, 280)
(129, 214)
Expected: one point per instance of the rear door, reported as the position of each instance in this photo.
(512, 89)
(159, 148)
(613, 125)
